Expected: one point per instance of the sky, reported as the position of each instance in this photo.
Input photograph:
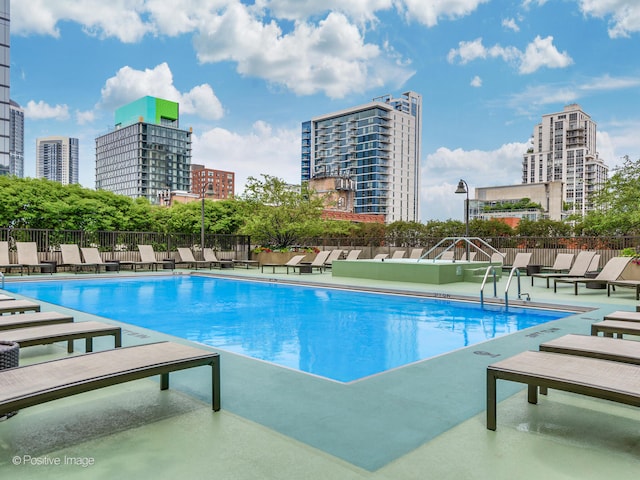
(247, 74)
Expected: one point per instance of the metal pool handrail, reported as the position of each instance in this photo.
(492, 269)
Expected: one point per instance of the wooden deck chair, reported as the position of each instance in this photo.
(609, 273)
(447, 255)
(353, 254)
(316, 264)
(593, 377)
(579, 268)
(18, 306)
(210, 256)
(28, 256)
(24, 320)
(30, 385)
(5, 260)
(71, 258)
(333, 255)
(295, 260)
(521, 260)
(605, 348)
(62, 332)
(561, 264)
(186, 257)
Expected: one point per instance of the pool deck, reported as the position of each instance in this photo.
(422, 421)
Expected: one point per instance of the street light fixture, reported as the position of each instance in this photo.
(208, 188)
(464, 188)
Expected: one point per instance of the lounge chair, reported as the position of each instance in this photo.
(623, 315)
(186, 257)
(416, 253)
(148, 256)
(615, 381)
(472, 256)
(333, 255)
(619, 328)
(92, 255)
(71, 258)
(62, 332)
(381, 256)
(24, 320)
(561, 264)
(626, 284)
(317, 263)
(5, 261)
(579, 268)
(210, 256)
(353, 254)
(605, 348)
(447, 255)
(18, 306)
(23, 387)
(595, 263)
(610, 272)
(521, 260)
(246, 263)
(398, 254)
(28, 256)
(292, 261)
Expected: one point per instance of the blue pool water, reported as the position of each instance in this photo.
(339, 334)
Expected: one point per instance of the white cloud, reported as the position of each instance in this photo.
(539, 53)
(511, 24)
(542, 53)
(476, 81)
(264, 150)
(83, 118)
(129, 84)
(331, 57)
(443, 168)
(624, 15)
(44, 111)
(429, 12)
(116, 18)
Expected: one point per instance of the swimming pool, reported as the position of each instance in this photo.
(342, 335)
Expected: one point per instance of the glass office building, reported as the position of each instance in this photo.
(147, 153)
(16, 140)
(57, 159)
(5, 159)
(377, 146)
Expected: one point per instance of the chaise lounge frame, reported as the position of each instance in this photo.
(608, 380)
(23, 387)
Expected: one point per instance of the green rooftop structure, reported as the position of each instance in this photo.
(146, 154)
(150, 110)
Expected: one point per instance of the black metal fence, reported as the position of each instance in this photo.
(124, 245)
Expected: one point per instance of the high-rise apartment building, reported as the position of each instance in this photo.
(16, 140)
(147, 153)
(5, 159)
(222, 182)
(563, 149)
(57, 159)
(376, 147)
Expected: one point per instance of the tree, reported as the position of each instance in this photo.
(279, 214)
(543, 228)
(617, 204)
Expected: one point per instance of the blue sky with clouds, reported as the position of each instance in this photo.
(246, 74)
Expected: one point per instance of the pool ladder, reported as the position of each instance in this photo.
(492, 269)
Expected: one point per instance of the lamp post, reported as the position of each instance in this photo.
(205, 189)
(464, 188)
